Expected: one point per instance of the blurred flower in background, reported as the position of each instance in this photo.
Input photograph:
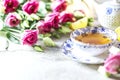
(111, 66)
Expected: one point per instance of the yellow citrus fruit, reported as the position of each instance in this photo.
(117, 30)
(81, 23)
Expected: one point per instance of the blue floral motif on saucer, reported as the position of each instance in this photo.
(67, 50)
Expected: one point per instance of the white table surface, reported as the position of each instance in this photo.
(23, 63)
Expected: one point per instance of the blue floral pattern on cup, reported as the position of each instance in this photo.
(67, 48)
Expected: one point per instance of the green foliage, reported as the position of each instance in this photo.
(38, 48)
(64, 30)
(12, 38)
(49, 42)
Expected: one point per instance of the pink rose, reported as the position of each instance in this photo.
(66, 17)
(112, 63)
(10, 5)
(53, 18)
(31, 6)
(59, 5)
(29, 37)
(44, 27)
(12, 20)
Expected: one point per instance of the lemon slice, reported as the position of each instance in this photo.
(117, 30)
(81, 23)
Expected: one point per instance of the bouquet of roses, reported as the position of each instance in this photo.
(27, 21)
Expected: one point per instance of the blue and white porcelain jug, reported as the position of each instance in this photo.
(108, 13)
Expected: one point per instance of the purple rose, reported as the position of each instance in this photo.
(112, 63)
(59, 5)
(29, 37)
(43, 27)
(53, 18)
(66, 17)
(12, 20)
(10, 5)
(31, 6)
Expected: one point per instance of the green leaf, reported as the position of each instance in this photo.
(26, 24)
(47, 35)
(12, 38)
(42, 10)
(37, 48)
(22, 26)
(91, 19)
(21, 13)
(67, 24)
(108, 74)
(40, 36)
(46, 0)
(56, 35)
(49, 42)
(13, 29)
(34, 16)
(65, 30)
(18, 15)
(48, 6)
(90, 24)
(30, 18)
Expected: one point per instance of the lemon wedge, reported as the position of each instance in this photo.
(117, 30)
(81, 23)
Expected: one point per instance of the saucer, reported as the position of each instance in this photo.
(69, 50)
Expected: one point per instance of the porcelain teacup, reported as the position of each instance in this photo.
(87, 49)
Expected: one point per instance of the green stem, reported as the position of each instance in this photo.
(16, 35)
(14, 30)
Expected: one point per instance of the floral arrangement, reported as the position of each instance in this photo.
(27, 21)
(111, 67)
